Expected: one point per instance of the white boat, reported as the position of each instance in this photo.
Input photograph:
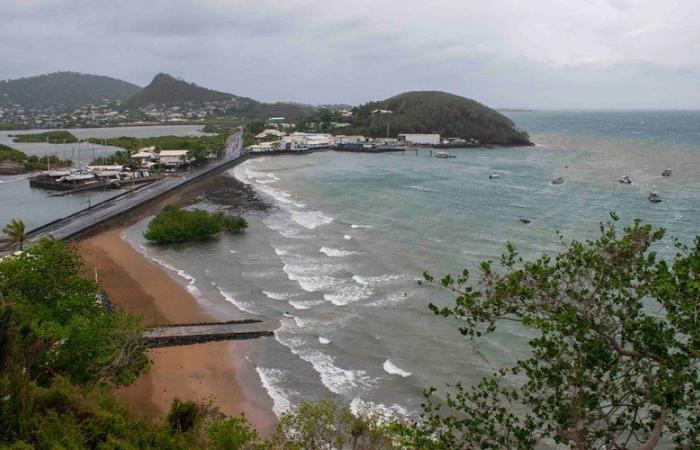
(666, 173)
(494, 175)
(654, 197)
(442, 155)
(625, 179)
(557, 180)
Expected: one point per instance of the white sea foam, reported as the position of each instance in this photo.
(311, 219)
(393, 369)
(379, 411)
(314, 284)
(305, 305)
(336, 379)
(243, 306)
(191, 286)
(421, 188)
(279, 295)
(271, 380)
(380, 280)
(391, 299)
(347, 237)
(337, 252)
(280, 251)
(282, 226)
(323, 340)
(347, 293)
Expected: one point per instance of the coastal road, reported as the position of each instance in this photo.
(87, 218)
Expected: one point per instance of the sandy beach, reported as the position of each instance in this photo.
(200, 372)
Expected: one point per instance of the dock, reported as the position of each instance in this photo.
(189, 334)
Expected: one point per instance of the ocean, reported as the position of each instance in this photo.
(336, 259)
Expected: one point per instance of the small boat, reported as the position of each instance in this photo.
(494, 175)
(654, 197)
(557, 180)
(444, 155)
(666, 173)
(524, 220)
(625, 179)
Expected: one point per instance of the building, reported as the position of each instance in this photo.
(420, 139)
(145, 156)
(173, 158)
(269, 132)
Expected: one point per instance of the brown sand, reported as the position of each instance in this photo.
(197, 372)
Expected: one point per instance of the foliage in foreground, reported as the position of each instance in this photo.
(614, 354)
(16, 233)
(613, 362)
(173, 224)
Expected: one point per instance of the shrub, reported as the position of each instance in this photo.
(185, 416)
(174, 224)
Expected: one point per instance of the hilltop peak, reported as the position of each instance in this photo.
(167, 89)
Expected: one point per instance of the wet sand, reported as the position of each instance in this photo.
(200, 372)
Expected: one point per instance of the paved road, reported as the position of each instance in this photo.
(83, 220)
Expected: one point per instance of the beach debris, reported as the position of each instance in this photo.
(666, 173)
(557, 180)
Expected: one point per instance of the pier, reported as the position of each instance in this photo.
(188, 334)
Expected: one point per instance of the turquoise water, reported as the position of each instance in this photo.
(337, 257)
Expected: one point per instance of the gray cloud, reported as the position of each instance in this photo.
(592, 54)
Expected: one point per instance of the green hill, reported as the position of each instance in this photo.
(69, 89)
(168, 90)
(438, 112)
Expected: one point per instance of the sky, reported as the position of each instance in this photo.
(547, 54)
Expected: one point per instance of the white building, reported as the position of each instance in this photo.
(173, 158)
(420, 139)
(269, 132)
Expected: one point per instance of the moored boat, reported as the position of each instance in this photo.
(654, 197)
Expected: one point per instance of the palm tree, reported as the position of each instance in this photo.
(16, 231)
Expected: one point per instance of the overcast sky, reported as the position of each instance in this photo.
(505, 53)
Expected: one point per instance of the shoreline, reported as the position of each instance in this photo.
(194, 372)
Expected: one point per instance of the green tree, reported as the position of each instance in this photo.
(16, 232)
(614, 349)
(328, 425)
